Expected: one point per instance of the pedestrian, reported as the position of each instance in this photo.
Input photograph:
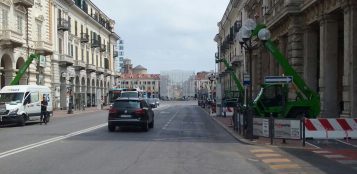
(44, 105)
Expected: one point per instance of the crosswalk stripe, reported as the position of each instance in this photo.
(321, 151)
(267, 155)
(284, 166)
(276, 160)
(261, 150)
(347, 161)
(334, 156)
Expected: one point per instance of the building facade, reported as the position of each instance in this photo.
(83, 59)
(319, 40)
(24, 30)
(147, 82)
(205, 86)
(121, 56)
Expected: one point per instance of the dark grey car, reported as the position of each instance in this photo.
(130, 112)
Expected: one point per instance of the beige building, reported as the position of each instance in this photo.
(319, 40)
(83, 60)
(147, 82)
(24, 30)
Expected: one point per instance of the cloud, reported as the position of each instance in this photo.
(167, 34)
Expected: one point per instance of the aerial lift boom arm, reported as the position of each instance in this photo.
(23, 69)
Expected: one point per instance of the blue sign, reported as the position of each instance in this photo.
(246, 79)
(278, 79)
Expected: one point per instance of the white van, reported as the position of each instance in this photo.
(21, 103)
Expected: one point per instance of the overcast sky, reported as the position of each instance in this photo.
(167, 34)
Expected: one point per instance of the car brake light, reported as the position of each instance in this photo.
(140, 112)
(113, 110)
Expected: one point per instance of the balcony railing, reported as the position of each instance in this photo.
(84, 38)
(79, 64)
(11, 38)
(100, 70)
(115, 54)
(91, 67)
(103, 48)
(95, 43)
(107, 72)
(24, 3)
(63, 24)
(43, 47)
(66, 59)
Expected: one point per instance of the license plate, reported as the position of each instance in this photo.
(125, 116)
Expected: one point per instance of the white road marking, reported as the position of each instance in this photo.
(346, 143)
(42, 143)
(169, 122)
(317, 147)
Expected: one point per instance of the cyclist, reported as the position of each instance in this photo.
(44, 105)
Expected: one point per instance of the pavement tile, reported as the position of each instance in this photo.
(347, 161)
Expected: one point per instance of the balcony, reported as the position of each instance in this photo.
(115, 54)
(65, 60)
(70, 2)
(107, 72)
(79, 64)
(100, 70)
(237, 60)
(103, 48)
(24, 3)
(84, 38)
(91, 68)
(63, 24)
(95, 43)
(43, 48)
(12, 39)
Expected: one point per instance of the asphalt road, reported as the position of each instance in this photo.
(184, 140)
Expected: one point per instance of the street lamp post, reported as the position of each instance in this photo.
(244, 38)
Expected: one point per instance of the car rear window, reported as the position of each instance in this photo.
(129, 94)
(126, 104)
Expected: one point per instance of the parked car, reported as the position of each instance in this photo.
(151, 102)
(130, 112)
(157, 101)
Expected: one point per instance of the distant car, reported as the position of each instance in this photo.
(151, 102)
(129, 94)
(157, 101)
(130, 112)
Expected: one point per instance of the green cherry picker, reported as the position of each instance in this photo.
(23, 68)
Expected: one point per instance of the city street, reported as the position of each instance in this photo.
(184, 140)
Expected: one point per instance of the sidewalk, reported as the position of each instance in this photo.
(227, 124)
(64, 113)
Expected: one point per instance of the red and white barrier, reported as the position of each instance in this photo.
(330, 128)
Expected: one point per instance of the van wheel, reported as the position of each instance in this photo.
(22, 120)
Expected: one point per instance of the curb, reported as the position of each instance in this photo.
(228, 130)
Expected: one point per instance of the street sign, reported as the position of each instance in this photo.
(246, 79)
(278, 79)
(42, 62)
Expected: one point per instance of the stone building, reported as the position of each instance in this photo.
(84, 46)
(204, 86)
(24, 30)
(147, 82)
(318, 38)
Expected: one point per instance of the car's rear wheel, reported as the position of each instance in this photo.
(151, 125)
(111, 128)
(146, 126)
